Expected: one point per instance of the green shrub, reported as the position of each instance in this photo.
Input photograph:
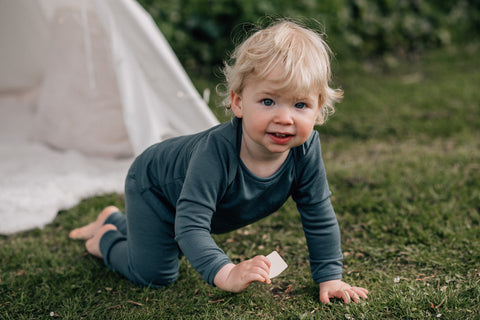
(374, 28)
(202, 32)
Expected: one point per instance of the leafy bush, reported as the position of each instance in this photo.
(202, 32)
(374, 28)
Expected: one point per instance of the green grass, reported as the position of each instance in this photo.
(403, 160)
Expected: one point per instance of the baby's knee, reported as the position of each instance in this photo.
(157, 277)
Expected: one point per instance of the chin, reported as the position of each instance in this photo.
(282, 149)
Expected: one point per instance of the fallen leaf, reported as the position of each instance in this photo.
(439, 305)
(354, 271)
(289, 288)
(425, 278)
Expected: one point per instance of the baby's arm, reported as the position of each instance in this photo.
(235, 278)
(341, 290)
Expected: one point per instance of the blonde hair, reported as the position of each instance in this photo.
(302, 53)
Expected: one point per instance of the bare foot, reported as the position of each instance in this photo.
(88, 231)
(93, 244)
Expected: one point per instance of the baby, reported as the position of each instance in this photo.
(180, 191)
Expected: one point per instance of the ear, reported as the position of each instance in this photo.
(236, 104)
(318, 113)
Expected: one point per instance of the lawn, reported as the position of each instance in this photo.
(402, 155)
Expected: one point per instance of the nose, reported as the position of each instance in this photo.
(283, 116)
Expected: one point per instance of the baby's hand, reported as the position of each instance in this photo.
(340, 289)
(235, 278)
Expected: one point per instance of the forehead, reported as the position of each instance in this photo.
(279, 81)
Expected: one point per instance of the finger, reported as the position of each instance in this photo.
(255, 276)
(346, 296)
(361, 292)
(324, 297)
(357, 293)
(259, 270)
(264, 264)
(266, 275)
(264, 259)
(354, 296)
(252, 267)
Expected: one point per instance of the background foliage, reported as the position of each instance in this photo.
(202, 31)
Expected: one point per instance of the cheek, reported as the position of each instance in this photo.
(306, 128)
(258, 120)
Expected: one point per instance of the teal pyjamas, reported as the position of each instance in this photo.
(182, 190)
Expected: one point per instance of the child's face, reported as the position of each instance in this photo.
(274, 119)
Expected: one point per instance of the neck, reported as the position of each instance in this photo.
(260, 164)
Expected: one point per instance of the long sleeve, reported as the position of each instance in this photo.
(205, 182)
(320, 225)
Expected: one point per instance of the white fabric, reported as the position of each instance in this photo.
(23, 68)
(80, 109)
(170, 104)
(37, 181)
(96, 81)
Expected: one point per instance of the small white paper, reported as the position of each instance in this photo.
(278, 264)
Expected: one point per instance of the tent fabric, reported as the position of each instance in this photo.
(38, 181)
(93, 122)
(84, 86)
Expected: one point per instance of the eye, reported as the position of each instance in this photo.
(300, 105)
(268, 102)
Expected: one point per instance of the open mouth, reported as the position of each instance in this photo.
(282, 135)
(281, 138)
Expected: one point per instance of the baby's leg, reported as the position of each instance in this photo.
(88, 231)
(148, 254)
